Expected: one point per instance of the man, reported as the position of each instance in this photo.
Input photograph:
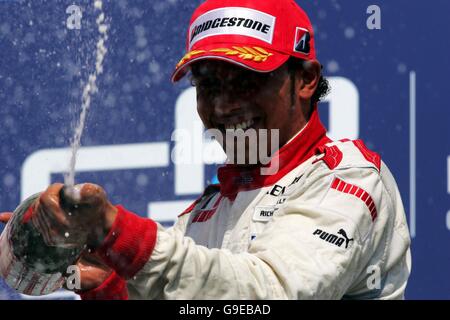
(321, 220)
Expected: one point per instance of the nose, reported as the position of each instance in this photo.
(227, 103)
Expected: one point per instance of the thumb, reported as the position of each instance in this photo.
(83, 194)
(5, 216)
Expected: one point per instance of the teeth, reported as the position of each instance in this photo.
(243, 125)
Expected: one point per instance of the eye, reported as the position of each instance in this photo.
(207, 88)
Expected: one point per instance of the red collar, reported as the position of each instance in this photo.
(234, 179)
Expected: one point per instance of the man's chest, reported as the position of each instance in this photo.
(221, 222)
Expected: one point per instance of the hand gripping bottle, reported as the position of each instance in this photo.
(27, 264)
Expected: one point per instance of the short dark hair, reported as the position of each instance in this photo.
(323, 87)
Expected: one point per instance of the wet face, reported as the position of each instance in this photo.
(231, 98)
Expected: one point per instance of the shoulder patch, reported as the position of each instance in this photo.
(208, 191)
(370, 156)
(332, 156)
(206, 214)
(364, 196)
(190, 208)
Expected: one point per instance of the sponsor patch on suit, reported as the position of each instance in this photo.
(263, 213)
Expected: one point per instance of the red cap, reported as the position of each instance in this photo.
(259, 35)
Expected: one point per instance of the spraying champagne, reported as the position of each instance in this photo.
(32, 260)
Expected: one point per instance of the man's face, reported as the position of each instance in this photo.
(230, 98)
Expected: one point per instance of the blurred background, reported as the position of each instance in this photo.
(387, 62)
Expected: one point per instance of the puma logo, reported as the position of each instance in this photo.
(334, 239)
(344, 234)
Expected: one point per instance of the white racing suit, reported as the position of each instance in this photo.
(329, 224)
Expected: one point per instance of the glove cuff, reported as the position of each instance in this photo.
(129, 244)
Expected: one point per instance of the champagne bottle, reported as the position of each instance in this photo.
(27, 264)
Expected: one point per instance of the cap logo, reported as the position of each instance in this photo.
(232, 21)
(302, 38)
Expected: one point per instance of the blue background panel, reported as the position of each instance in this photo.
(44, 66)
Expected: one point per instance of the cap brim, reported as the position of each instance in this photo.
(254, 58)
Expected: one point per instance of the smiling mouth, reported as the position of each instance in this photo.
(244, 125)
(240, 124)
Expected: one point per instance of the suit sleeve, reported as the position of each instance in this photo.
(126, 248)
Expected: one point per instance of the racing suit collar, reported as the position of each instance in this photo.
(234, 179)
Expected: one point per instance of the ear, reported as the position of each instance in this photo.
(308, 79)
